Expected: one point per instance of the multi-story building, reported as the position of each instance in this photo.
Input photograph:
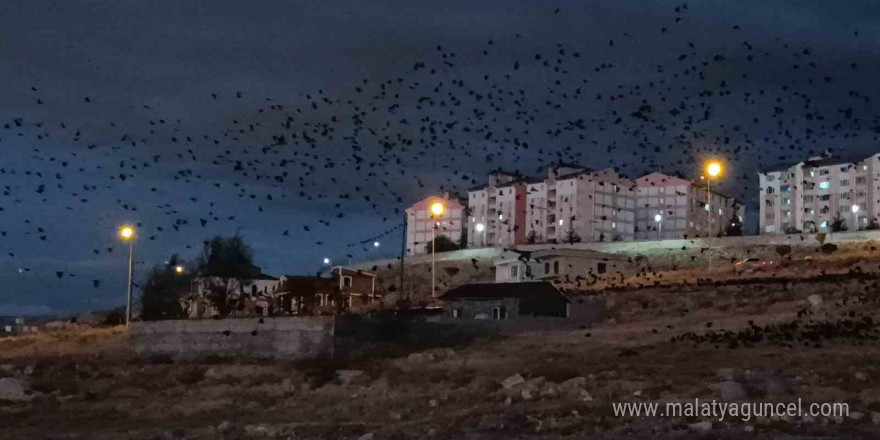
(497, 211)
(419, 223)
(686, 208)
(576, 202)
(810, 195)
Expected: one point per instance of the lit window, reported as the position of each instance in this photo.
(824, 185)
(560, 222)
(824, 224)
(613, 225)
(708, 207)
(770, 228)
(864, 168)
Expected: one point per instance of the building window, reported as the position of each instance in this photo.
(824, 224)
(771, 177)
(824, 185)
(770, 190)
(785, 188)
(499, 313)
(320, 299)
(556, 267)
(844, 182)
(824, 172)
(786, 201)
(770, 228)
(825, 197)
(514, 271)
(546, 268)
(601, 268)
(456, 313)
(346, 281)
(860, 180)
(808, 199)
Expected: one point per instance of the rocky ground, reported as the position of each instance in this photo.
(772, 335)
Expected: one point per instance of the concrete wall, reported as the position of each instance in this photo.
(279, 338)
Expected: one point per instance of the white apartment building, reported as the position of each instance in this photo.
(683, 209)
(594, 205)
(497, 211)
(419, 223)
(807, 196)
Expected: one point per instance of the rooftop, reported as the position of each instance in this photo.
(527, 290)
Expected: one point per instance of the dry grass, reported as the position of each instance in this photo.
(64, 343)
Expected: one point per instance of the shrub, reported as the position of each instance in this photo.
(820, 237)
(783, 250)
(828, 248)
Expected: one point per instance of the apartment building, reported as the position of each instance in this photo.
(809, 195)
(419, 222)
(497, 211)
(574, 201)
(686, 209)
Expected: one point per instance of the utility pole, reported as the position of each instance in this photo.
(402, 252)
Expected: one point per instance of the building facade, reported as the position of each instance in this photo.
(497, 211)
(419, 223)
(810, 195)
(686, 209)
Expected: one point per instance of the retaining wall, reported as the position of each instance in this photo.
(277, 338)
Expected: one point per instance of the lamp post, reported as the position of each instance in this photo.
(436, 211)
(127, 233)
(855, 211)
(480, 228)
(713, 169)
(659, 219)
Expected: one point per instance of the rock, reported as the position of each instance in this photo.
(508, 401)
(395, 415)
(815, 300)
(856, 415)
(224, 427)
(637, 393)
(861, 376)
(512, 381)
(347, 377)
(585, 396)
(433, 403)
(173, 434)
(15, 390)
(29, 370)
(731, 390)
(808, 419)
(749, 428)
(725, 373)
(701, 426)
(775, 386)
(367, 436)
(575, 383)
(875, 418)
(260, 430)
(526, 394)
(210, 373)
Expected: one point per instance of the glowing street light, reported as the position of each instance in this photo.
(326, 260)
(375, 244)
(659, 219)
(127, 233)
(480, 227)
(855, 211)
(437, 210)
(713, 170)
(179, 269)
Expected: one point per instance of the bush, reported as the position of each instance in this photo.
(783, 250)
(820, 237)
(828, 248)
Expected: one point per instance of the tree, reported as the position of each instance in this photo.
(873, 225)
(442, 243)
(225, 266)
(571, 237)
(734, 227)
(463, 240)
(160, 298)
(820, 237)
(838, 223)
(783, 250)
(533, 237)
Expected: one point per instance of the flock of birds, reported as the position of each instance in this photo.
(361, 154)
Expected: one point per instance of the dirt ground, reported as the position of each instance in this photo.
(772, 335)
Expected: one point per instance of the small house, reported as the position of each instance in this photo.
(502, 301)
(563, 265)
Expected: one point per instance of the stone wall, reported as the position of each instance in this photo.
(277, 338)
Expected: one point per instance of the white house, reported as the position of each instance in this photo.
(567, 265)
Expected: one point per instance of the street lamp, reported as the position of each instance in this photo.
(437, 210)
(375, 244)
(127, 233)
(179, 269)
(659, 219)
(480, 228)
(855, 211)
(713, 169)
(326, 260)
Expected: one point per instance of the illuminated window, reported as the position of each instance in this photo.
(824, 185)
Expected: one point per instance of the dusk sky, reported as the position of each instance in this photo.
(326, 119)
